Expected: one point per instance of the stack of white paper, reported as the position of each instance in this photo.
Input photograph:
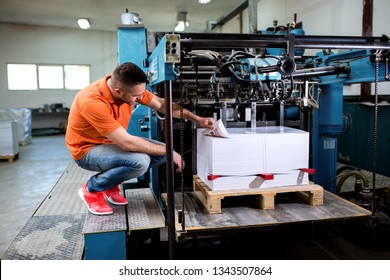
(8, 138)
(239, 161)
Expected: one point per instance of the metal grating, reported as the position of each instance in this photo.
(108, 223)
(64, 198)
(143, 211)
(75, 174)
(49, 238)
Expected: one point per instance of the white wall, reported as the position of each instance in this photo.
(319, 17)
(33, 44)
(233, 25)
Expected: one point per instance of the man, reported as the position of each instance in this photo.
(97, 139)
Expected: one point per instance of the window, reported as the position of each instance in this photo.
(76, 76)
(50, 77)
(22, 77)
(35, 76)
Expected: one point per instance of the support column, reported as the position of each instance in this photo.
(252, 9)
(367, 22)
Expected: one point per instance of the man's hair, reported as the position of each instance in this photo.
(129, 74)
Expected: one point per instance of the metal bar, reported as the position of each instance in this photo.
(367, 22)
(320, 71)
(170, 169)
(252, 7)
(280, 41)
(375, 140)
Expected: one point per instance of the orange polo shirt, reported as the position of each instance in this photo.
(94, 114)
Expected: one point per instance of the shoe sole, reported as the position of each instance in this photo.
(114, 202)
(81, 194)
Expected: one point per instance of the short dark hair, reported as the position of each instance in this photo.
(129, 74)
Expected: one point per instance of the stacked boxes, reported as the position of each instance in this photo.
(23, 118)
(267, 157)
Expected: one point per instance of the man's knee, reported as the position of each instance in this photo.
(141, 164)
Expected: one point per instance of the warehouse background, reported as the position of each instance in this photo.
(51, 45)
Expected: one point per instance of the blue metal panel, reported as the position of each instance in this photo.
(159, 70)
(326, 163)
(327, 120)
(132, 44)
(331, 109)
(356, 144)
(105, 246)
(143, 123)
(132, 47)
(140, 123)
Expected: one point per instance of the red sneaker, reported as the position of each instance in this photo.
(114, 196)
(95, 201)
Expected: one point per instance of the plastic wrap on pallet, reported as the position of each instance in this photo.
(23, 118)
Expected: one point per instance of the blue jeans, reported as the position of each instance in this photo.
(115, 165)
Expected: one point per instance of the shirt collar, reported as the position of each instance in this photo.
(104, 90)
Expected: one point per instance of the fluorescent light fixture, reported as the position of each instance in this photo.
(83, 23)
(204, 1)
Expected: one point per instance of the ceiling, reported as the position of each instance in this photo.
(156, 15)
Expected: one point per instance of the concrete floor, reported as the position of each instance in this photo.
(25, 183)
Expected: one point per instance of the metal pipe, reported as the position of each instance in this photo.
(170, 169)
(321, 71)
(281, 41)
(253, 117)
(281, 113)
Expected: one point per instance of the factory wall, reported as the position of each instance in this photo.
(36, 44)
(46, 45)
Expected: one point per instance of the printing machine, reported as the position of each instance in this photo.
(248, 80)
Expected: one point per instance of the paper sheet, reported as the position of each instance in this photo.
(218, 130)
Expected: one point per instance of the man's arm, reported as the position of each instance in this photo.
(133, 143)
(158, 104)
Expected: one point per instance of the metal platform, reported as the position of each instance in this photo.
(105, 237)
(49, 238)
(237, 217)
(143, 211)
(62, 228)
(54, 230)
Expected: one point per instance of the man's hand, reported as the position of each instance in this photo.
(206, 122)
(177, 160)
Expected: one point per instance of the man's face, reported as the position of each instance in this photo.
(132, 95)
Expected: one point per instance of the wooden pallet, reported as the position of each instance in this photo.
(10, 158)
(311, 194)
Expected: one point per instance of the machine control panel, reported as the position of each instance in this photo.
(172, 48)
